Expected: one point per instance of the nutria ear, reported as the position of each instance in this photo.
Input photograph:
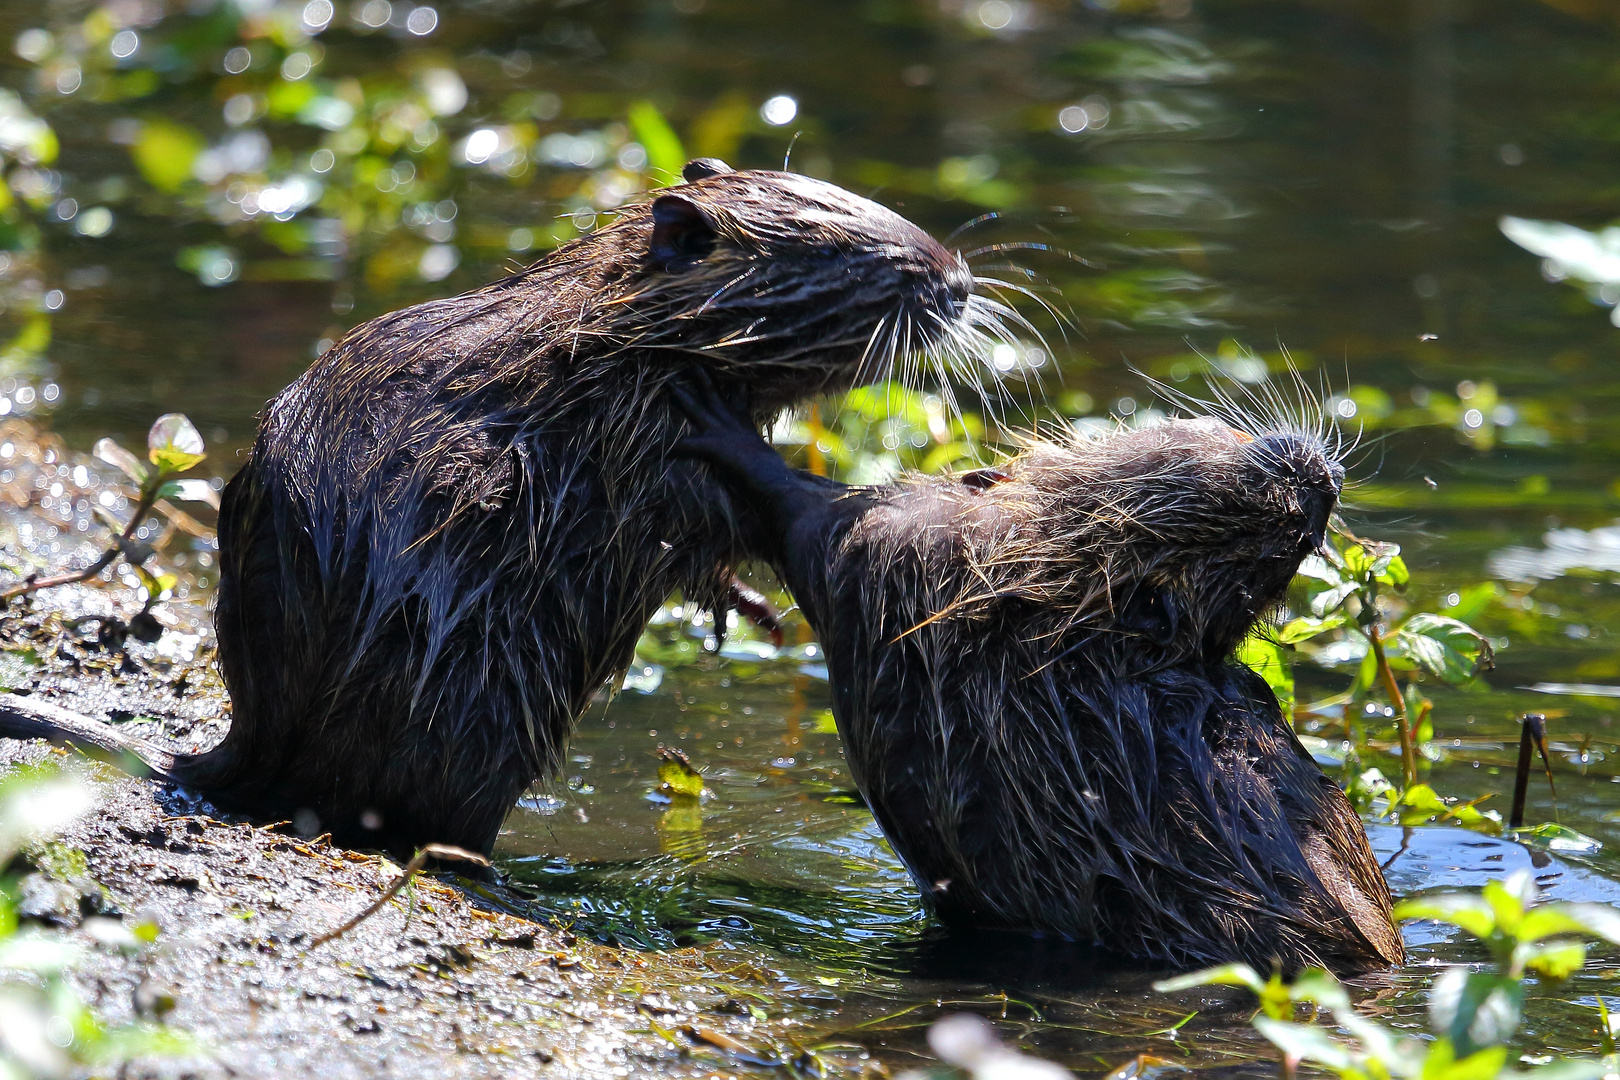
(704, 167)
(983, 479)
(681, 234)
(1151, 612)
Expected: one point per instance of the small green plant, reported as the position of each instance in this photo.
(46, 1031)
(173, 447)
(1473, 1014)
(1347, 589)
(879, 430)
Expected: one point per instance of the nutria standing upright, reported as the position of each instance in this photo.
(452, 529)
(1032, 674)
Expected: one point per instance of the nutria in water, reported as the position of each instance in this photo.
(452, 529)
(1032, 675)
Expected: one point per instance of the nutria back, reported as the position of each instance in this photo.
(451, 530)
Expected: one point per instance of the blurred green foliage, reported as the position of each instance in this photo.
(46, 1029)
(1474, 1015)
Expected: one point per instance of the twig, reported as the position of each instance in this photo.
(31, 584)
(1533, 734)
(431, 851)
(1397, 702)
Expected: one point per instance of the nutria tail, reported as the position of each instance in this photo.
(24, 718)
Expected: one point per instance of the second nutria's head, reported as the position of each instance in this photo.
(1169, 540)
(786, 282)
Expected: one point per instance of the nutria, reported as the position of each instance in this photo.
(452, 528)
(1032, 675)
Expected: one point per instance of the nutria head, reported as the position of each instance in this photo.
(1171, 539)
(788, 283)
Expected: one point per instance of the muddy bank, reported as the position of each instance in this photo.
(442, 982)
(453, 977)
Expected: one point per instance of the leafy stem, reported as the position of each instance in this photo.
(1397, 701)
(173, 446)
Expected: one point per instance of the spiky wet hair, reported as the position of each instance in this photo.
(1177, 534)
(1031, 673)
(453, 528)
(763, 271)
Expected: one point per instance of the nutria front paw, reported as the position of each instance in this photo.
(722, 431)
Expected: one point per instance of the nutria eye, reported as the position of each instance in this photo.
(681, 234)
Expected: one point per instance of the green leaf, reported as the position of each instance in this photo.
(1305, 1042)
(676, 774)
(190, 491)
(663, 146)
(1320, 988)
(1329, 599)
(1224, 975)
(1556, 960)
(1475, 1009)
(1304, 628)
(1270, 661)
(1556, 837)
(1448, 649)
(113, 454)
(1392, 571)
(1441, 1063)
(173, 444)
(1355, 560)
(1419, 803)
(164, 152)
(1319, 569)
(1469, 911)
(1549, 920)
(1598, 920)
(1507, 901)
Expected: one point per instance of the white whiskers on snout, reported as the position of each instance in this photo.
(985, 344)
(1289, 407)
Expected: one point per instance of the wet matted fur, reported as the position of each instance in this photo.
(1033, 678)
(451, 530)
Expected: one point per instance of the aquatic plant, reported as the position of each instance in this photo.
(173, 447)
(1473, 1014)
(1345, 590)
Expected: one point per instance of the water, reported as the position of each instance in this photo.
(1191, 182)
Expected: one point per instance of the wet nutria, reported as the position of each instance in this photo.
(1032, 675)
(451, 530)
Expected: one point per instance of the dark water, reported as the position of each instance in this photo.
(1190, 182)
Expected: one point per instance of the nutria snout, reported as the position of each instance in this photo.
(1032, 674)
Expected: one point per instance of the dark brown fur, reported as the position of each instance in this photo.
(452, 529)
(1032, 675)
